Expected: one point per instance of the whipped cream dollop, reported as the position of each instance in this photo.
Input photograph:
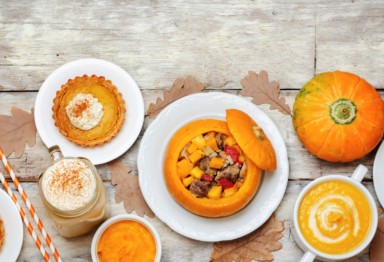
(84, 111)
(69, 184)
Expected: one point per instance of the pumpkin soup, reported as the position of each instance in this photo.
(126, 241)
(334, 217)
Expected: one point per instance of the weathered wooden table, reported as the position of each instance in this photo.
(215, 42)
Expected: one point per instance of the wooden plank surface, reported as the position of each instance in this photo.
(303, 165)
(216, 42)
(303, 168)
(354, 35)
(175, 246)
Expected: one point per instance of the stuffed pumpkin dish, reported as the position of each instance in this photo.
(208, 168)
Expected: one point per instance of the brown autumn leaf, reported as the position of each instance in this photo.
(128, 190)
(264, 92)
(16, 131)
(376, 250)
(257, 245)
(181, 87)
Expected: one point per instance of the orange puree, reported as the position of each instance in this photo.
(334, 217)
(126, 241)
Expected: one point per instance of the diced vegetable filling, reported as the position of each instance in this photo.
(212, 166)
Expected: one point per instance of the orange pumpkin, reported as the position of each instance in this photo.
(204, 206)
(252, 139)
(338, 116)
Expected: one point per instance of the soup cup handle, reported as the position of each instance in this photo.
(359, 173)
(308, 257)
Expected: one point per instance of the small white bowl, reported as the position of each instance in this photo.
(125, 217)
(355, 180)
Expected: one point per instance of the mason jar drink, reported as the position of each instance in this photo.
(73, 194)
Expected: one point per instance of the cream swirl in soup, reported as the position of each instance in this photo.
(334, 217)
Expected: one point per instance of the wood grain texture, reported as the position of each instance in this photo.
(175, 246)
(354, 35)
(216, 42)
(303, 165)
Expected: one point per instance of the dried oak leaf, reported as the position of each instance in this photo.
(258, 245)
(181, 87)
(376, 250)
(264, 92)
(16, 131)
(128, 190)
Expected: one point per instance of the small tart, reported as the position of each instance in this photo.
(2, 233)
(107, 95)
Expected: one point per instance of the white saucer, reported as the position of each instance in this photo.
(13, 226)
(134, 104)
(150, 166)
(378, 174)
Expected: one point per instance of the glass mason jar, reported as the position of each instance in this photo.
(73, 194)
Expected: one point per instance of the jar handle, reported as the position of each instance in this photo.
(359, 173)
(55, 152)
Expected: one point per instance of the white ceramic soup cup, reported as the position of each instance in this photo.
(355, 180)
(125, 217)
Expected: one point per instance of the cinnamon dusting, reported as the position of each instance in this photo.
(84, 111)
(71, 179)
(69, 184)
(79, 108)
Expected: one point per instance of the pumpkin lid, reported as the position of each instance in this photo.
(251, 139)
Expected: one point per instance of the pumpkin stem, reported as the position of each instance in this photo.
(259, 133)
(343, 111)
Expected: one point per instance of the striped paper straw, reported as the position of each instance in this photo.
(25, 219)
(30, 207)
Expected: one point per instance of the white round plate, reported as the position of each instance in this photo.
(13, 226)
(150, 166)
(134, 117)
(378, 174)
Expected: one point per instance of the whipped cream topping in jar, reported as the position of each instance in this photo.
(69, 184)
(73, 194)
(84, 111)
